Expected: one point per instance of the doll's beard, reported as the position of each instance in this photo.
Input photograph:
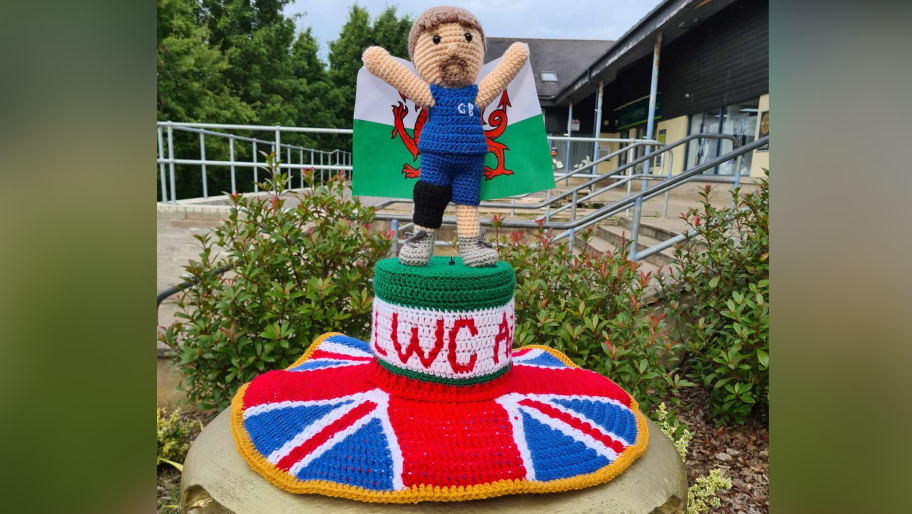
(454, 70)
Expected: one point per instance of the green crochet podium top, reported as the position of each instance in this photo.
(444, 286)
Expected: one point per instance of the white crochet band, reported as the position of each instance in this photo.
(453, 345)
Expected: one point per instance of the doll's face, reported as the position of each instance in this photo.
(449, 55)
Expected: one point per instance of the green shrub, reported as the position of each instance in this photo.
(592, 307)
(295, 273)
(702, 495)
(174, 436)
(719, 295)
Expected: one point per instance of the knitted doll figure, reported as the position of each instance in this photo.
(447, 45)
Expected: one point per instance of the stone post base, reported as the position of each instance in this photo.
(217, 480)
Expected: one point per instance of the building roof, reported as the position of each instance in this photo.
(671, 18)
(568, 58)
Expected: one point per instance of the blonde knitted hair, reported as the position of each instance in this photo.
(439, 15)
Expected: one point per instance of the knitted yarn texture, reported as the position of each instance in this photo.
(436, 16)
(448, 413)
(454, 123)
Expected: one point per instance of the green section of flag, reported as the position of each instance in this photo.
(379, 159)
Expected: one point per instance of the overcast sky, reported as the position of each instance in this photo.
(567, 19)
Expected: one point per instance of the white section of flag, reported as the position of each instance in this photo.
(375, 97)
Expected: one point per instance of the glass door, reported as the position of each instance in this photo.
(739, 120)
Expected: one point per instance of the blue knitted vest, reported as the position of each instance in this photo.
(454, 123)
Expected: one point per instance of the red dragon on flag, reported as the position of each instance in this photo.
(497, 120)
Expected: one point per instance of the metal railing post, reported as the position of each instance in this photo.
(598, 123)
(256, 186)
(301, 158)
(569, 134)
(290, 171)
(231, 158)
(171, 158)
(736, 183)
(635, 227)
(394, 225)
(278, 152)
(573, 207)
(161, 166)
(629, 173)
(669, 161)
(548, 208)
(203, 158)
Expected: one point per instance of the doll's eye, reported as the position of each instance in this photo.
(436, 39)
(468, 36)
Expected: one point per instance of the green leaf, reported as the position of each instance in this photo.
(721, 383)
(764, 358)
(714, 282)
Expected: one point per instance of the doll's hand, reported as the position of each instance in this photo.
(379, 63)
(374, 58)
(518, 52)
(506, 70)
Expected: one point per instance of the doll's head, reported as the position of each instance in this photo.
(447, 45)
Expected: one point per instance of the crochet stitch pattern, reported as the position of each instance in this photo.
(454, 124)
(343, 421)
(444, 287)
(447, 46)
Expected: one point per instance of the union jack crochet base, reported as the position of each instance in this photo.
(339, 423)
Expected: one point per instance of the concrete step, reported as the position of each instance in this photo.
(614, 234)
(602, 246)
(661, 229)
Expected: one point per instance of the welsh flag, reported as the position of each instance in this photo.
(387, 128)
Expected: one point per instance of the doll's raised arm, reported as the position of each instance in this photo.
(513, 60)
(379, 63)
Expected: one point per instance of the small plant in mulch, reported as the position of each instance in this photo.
(176, 432)
(701, 496)
(174, 436)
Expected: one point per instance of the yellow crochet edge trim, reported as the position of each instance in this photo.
(419, 493)
(556, 353)
(312, 348)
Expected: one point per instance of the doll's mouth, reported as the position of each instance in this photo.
(454, 70)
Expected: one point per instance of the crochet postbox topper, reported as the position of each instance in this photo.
(447, 47)
(436, 405)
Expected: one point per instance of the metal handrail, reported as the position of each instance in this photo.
(571, 227)
(623, 203)
(634, 201)
(343, 158)
(666, 183)
(243, 138)
(615, 174)
(229, 126)
(550, 200)
(585, 185)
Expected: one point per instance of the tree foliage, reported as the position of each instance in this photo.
(244, 62)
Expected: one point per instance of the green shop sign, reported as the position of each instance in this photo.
(638, 112)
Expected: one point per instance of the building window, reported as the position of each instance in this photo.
(739, 120)
(549, 76)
